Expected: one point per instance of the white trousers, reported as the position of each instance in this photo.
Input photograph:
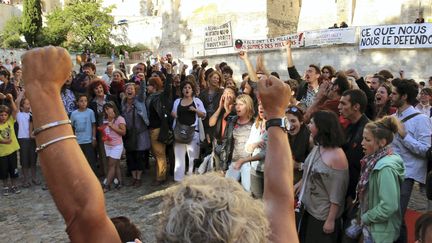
(180, 149)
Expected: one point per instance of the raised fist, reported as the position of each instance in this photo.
(274, 95)
(46, 68)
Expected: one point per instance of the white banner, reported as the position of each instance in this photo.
(218, 36)
(268, 44)
(396, 36)
(330, 36)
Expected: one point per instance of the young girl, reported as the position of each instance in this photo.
(8, 147)
(84, 125)
(27, 144)
(114, 129)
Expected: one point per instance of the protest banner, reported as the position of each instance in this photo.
(396, 36)
(330, 36)
(218, 36)
(269, 44)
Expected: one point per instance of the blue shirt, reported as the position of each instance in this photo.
(82, 122)
(413, 147)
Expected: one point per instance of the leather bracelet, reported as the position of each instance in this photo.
(50, 125)
(45, 145)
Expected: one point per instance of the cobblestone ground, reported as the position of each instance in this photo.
(32, 216)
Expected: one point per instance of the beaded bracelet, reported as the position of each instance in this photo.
(50, 125)
(45, 145)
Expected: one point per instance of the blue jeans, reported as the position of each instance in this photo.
(243, 174)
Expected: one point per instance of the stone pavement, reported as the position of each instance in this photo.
(32, 216)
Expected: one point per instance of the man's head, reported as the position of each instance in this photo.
(110, 69)
(169, 57)
(4, 75)
(89, 68)
(227, 72)
(376, 82)
(352, 104)
(426, 95)
(140, 68)
(422, 84)
(386, 74)
(312, 74)
(404, 92)
(339, 85)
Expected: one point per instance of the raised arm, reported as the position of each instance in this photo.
(251, 71)
(292, 71)
(13, 105)
(73, 186)
(278, 200)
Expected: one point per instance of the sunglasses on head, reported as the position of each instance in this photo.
(293, 109)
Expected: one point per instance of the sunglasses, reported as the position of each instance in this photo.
(293, 109)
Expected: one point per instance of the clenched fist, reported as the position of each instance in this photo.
(46, 68)
(275, 96)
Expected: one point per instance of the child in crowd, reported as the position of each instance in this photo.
(114, 128)
(27, 144)
(8, 147)
(84, 124)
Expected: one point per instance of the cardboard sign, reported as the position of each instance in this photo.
(218, 36)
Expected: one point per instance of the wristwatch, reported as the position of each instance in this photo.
(278, 122)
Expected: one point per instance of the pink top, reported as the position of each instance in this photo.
(116, 139)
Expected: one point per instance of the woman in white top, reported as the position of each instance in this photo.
(187, 110)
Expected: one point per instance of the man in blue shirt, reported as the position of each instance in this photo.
(412, 142)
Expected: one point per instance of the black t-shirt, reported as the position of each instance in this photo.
(184, 115)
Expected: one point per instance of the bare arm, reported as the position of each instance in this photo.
(73, 186)
(251, 71)
(290, 62)
(13, 106)
(329, 224)
(279, 200)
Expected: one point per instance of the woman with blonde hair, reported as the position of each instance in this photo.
(237, 131)
(378, 190)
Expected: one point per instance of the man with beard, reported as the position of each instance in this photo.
(412, 142)
(352, 106)
(308, 88)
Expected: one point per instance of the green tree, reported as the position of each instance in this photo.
(10, 36)
(31, 21)
(81, 23)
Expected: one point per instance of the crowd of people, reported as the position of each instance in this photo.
(347, 148)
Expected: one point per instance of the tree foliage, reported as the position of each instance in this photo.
(80, 24)
(31, 21)
(10, 36)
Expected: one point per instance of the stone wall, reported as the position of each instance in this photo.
(8, 11)
(282, 17)
(342, 57)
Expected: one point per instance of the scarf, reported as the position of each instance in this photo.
(367, 165)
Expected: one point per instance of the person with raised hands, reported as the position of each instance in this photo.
(78, 194)
(278, 200)
(73, 186)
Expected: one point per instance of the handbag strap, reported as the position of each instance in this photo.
(307, 175)
(410, 116)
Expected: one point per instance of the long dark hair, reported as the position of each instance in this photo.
(330, 133)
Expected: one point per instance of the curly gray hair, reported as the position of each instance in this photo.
(210, 208)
